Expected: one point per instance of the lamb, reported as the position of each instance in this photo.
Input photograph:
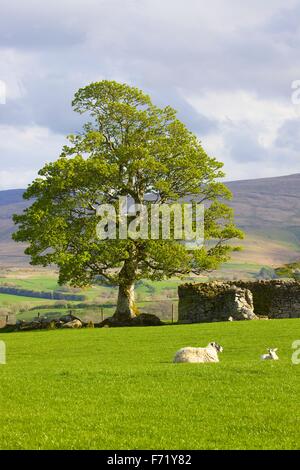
(270, 356)
(2, 353)
(208, 354)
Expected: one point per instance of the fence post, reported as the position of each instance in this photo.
(172, 313)
(102, 314)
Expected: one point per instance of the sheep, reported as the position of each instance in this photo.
(72, 324)
(270, 356)
(208, 354)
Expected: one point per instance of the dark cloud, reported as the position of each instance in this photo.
(243, 147)
(37, 25)
(289, 135)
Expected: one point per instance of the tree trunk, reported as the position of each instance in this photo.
(125, 310)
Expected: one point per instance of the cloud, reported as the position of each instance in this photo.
(15, 180)
(30, 25)
(288, 136)
(226, 66)
(250, 132)
(24, 150)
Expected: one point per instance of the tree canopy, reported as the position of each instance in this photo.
(128, 147)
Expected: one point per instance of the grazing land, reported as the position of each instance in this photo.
(155, 297)
(152, 297)
(118, 389)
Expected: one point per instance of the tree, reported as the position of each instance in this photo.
(129, 147)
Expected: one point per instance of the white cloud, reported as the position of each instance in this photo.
(24, 150)
(13, 179)
(244, 109)
(249, 135)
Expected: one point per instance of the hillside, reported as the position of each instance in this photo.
(267, 209)
(11, 253)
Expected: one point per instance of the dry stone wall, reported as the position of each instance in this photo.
(7, 319)
(238, 300)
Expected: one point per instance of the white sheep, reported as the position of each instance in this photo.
(72, 324)
(208, 354)
(270, 356)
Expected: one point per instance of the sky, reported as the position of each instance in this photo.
(227, 66)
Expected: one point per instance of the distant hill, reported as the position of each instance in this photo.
(267, 209)
(11, 253)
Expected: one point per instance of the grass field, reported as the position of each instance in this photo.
(148, 296)
(10, 299)
(118, 389)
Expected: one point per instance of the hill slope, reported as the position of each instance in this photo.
(267, 209)
(11, 253)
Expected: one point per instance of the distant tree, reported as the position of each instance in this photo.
(132, 148)
(266, 273)
(290, 271)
